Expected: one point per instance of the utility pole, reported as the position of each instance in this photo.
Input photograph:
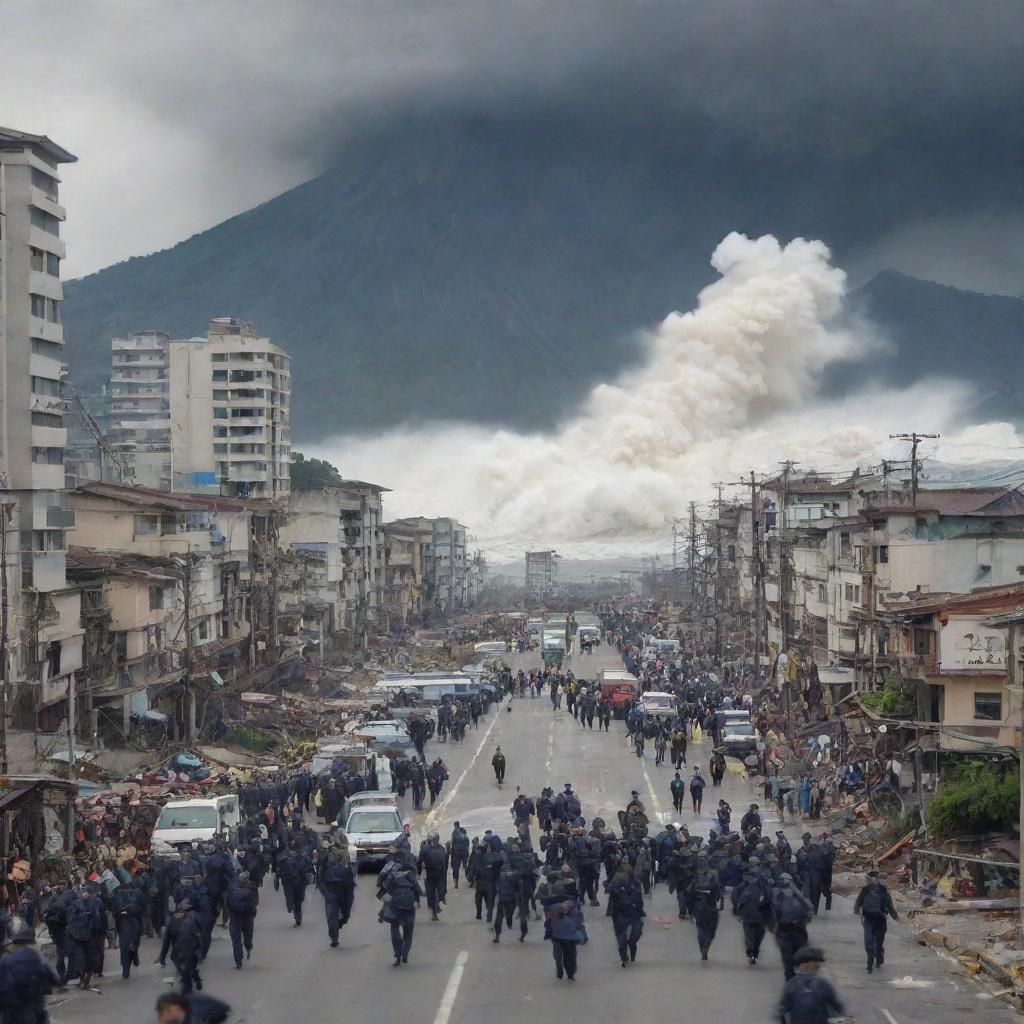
(784, 611)
(758, 567)
(692, 556)
(188, 710)
(915, 466)
(6, 511)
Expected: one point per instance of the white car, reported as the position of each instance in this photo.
(370, 830)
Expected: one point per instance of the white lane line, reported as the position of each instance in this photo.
(551, 746)
(655, 802)
(888, 1016)
(451, 990)
(435, 814)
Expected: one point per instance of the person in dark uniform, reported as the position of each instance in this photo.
(56, 918)
(293, 870)
(399, 890)
(127, 906)
(183, 938)
(433, 865)
(337, 882)
(498, 764)
(241, 902)
(28, 977)
(792, 911)
(705, 902)
(809, 997)
(874, 904)
(626, 909)
(752, 903)
(458, 851)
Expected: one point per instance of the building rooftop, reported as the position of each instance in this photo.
(990, 502)
(86, 561)
(181, 502)
(12, 138)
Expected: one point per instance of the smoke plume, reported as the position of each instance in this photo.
(723, 389)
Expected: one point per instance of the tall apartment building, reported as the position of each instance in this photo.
(43, 626)
(230, 401)
(140, 408)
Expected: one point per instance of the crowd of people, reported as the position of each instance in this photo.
(554, 870)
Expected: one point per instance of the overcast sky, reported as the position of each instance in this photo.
(184, 112)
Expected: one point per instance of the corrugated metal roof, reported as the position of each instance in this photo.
(986, 501)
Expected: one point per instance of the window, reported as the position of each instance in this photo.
(53, 264)
(822, 593)
(38, 303)
(50, 349)
(45, 183)
(877, 525)
(47, 419)
(988, 707)
(845, 545)
(220, 413)
(45, 221)
(852, 593)
(881, 554)
(37, 258)
(145, 525)
(53, 310)
(846, 633)
(48, 456)
(53, 659)
(45, 386)
(156, 598)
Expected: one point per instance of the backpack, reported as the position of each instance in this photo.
(434, 858)
(790, 910)
(804, 997)
(872, 902)
(403, 898)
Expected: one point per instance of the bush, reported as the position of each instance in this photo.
(896, 698)
(976, 797)
(251, 739)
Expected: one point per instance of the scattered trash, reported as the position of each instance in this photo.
(908, 982)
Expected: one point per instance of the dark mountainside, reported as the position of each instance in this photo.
(493, 271)
(940, 331)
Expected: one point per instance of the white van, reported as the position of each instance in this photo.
(194, 821)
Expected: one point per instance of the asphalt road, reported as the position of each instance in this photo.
(456, 975)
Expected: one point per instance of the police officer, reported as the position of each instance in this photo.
(293, 870)
(28, 977)
(809, 997)
(705, 902)
(56, 918)
(626, 909)
(183, 938)
(752, 819)
(128, 907)
(399, 890)
(678, 788)
(433, 865)
(752, 903)
(509, 891)
(86, 922)
(241, 902)
(874, 904)
(498, 764)
(219, 871)
(458, 851)
(792, 911)
(337, 881)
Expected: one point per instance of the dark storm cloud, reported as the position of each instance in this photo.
(224, 103)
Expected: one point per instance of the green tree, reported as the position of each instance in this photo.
(309, 473)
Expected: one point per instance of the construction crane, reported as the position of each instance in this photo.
(110, 458)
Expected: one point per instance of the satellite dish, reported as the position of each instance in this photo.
(883, 729)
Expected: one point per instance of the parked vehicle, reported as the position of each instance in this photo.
(194, 821)
(370, 829)
(621, 688)
(739, 739)
(368, 798)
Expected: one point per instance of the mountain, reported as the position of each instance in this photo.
(492, 271)
(936, 330)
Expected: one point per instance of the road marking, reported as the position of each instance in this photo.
(551, 746)
(435, 814)
(888, 1016)
(655, 802)
(451, 990)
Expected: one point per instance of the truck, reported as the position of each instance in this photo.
(187, 822)
(621, 688)
(658, 704)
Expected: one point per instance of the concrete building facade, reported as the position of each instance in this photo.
(44, 634)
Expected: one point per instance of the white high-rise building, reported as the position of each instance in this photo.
(44, 636)
(140, 410)
(230, 409)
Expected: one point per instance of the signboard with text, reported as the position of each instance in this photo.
(965, 644)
